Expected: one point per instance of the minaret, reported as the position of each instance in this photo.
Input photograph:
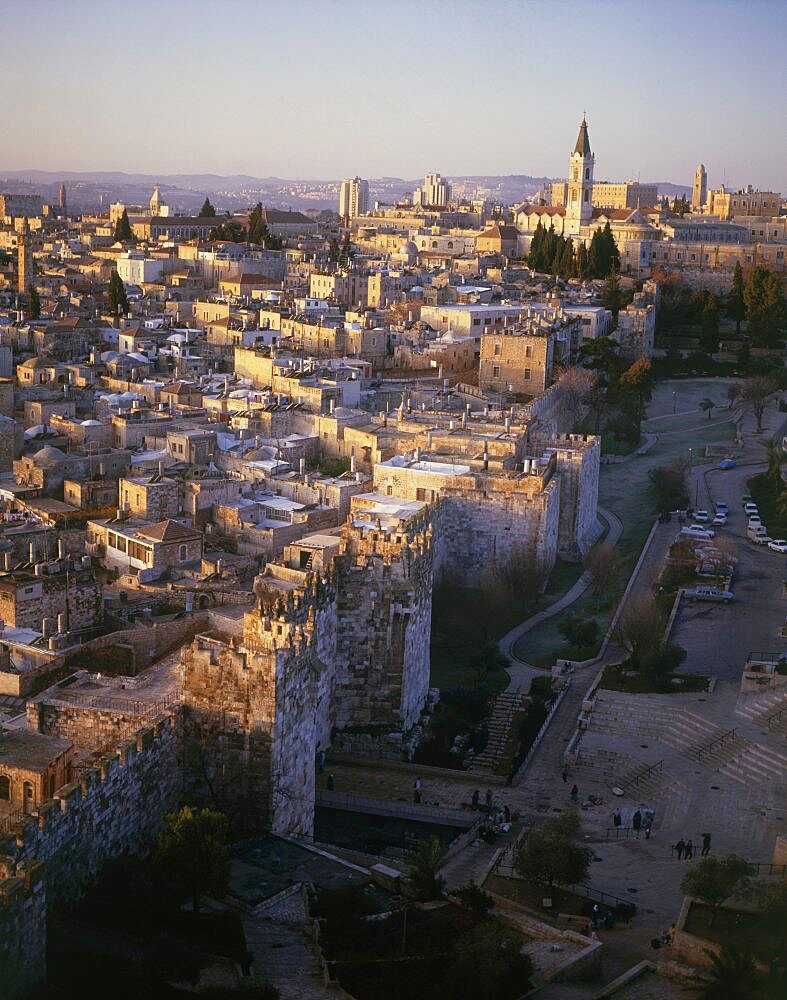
(699, 193)
(63, 209)
(24, 258)
(579, 196)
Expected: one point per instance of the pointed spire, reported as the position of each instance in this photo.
(583, 142)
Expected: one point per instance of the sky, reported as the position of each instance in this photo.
(332, 88)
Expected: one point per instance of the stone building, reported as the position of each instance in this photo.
(50, 598)
(153, 498)
(518, 360)
(148, 550)
(32, 768)
(49, 467)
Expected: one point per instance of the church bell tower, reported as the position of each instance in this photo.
(579, 196)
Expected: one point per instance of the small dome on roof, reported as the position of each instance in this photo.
(49, 455)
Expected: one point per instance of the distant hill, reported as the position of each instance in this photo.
(90, 190)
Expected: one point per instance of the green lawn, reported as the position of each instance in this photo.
(620, 678)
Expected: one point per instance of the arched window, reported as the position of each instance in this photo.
(587, 173)
(27, 796)
(5, 787)
(182, 553)
(586, 195)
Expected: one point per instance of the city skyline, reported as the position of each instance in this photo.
(443, 75)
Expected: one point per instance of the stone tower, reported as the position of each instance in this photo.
(579, 196)
(699, 193)
(155, 201)
(63, 209)
(24, 270)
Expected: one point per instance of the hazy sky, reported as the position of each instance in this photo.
(331, 88)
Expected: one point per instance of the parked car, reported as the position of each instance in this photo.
(746, 498)
(727, 463)
(756, 530)
(778, 545)
(709, 594)
(697, 531)
(751, 508)
(721, 507)
(764, 539)
(719, 520)
(702, 516)
(755, 521)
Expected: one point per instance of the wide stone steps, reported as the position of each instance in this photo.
(612, 768)
(767, 710)
(692, 736)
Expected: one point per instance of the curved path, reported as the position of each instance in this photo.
(520, 671)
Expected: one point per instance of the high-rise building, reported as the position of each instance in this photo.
(435, 192)
(699, 193)
(579, 191)
(24, 259)
(353, 198)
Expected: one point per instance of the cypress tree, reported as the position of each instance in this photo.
(582, 267)
(118, 302)
(123, 228)
(34, 302)
(736, 307)
(207, 211)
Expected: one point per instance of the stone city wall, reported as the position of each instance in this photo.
(114, 808)
(22, 927)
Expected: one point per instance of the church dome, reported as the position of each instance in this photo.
(49, 455)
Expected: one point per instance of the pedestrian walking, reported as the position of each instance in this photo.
(636, 821)
(488, 798)
(680, 848)
(689, 855)
(595, 916)
(331, 784)
(565, 775)
(647, 823)
(417, 791)
(705, 845)
(475, 798)
(617, 818)
(574, 793)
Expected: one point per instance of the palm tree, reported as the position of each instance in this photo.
(422, 867)
(707, 405)
(775, 457)
(732, 973)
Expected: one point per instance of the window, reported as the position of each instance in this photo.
(586, 195)
(587, 178)
(477, 322)
(497, 350)
(529, 351)
(389, 491)
(496, 371)
(528, 374)
(182, 550)
(5, 787)
(420, 493)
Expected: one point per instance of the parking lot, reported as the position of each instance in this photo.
(718, 637)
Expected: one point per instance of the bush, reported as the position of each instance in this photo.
(475, 899)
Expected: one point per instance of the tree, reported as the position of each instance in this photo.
(334, 250)
(347, 250)
(604, 564)
(33, 302)
(636, 383)
(123, 228)
(551, 855)
(230, 230)
(709, 322)
(602, 355)
(422, 867)
(207, 211)
(706, 405)
(574, 384)
(736, 306)
(774, 456)
(118, 301)
(714, 880)
(488, 963)
(596, 401)
(191, 853)
(764, 300)
(754, 394)
(641, 631)
(669, 486)
(732, 973)
(611, 295)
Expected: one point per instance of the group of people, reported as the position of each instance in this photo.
(640, 820)
(685, 848)
(597, 918)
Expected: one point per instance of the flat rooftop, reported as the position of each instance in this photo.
(28, 750)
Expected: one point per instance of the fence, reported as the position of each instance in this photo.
(718, 741)
(540, 734)
(644, 773)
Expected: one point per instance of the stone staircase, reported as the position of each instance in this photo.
(504, 709)
(689, 734)
(608, 768)
(768, 710)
